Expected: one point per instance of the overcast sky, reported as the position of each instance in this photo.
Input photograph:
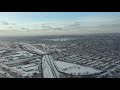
(58, 23)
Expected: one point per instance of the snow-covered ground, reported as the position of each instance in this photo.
(49, 70)
(33, 68)
(26, 66)
(19, 53)
(32, 48)
(13, 69)
(2, 48)
(2, 51)
(75, 69)
(30, 68)
(4, 60)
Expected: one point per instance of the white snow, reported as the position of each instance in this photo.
(4, 60)
(20, 53)
(13, 69)
(2, 72)
(26, 66)
(75, 69)
(49, 69)
(2, 51)
(30, 47)
(33, 68)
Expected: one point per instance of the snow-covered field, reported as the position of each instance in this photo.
(13, 69)
(30, 68)
(30, 47)
(75, 69)
(2, 51)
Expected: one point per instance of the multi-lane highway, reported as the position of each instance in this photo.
(48, 65)
(51, 70)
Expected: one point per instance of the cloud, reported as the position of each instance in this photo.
(46, 27)
(74, 25)
(25, 29)
(7, 23)
(7, 31)
(4, 23)
(10, 27)
(13, 23)
(59, 28)
(83, 25)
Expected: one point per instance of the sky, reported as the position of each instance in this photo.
(58, 23)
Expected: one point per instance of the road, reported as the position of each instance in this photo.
(49, 68)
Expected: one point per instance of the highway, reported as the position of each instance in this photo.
(49, 68)
(47, 59)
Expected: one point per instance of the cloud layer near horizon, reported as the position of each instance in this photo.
(83, 25)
